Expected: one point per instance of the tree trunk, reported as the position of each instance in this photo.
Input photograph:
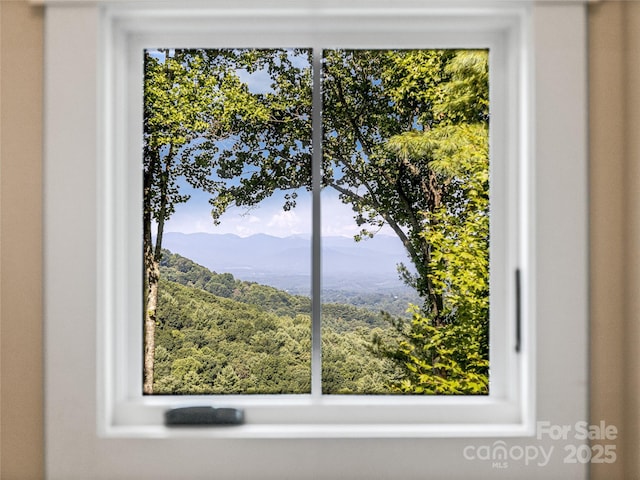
(152, 255)
(152, 277)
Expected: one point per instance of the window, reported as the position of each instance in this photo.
(508, 375)
(94, 300)
(404, 185)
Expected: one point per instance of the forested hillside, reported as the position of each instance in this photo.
(221, 335)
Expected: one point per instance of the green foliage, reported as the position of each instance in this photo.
(257, 339)
(447, 352)
(349, 365)
(189, 95)
(209, 344)
(465, 96)
(450, 359)
(393, 303)
(270, 151)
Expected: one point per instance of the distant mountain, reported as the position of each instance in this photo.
(339, 316)
(369, 265)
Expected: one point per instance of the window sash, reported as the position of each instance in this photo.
(318, 274)
(498, 30)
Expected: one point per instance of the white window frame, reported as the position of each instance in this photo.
(128, 36)
(92, 283)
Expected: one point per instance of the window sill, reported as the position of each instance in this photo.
(311, 431)
(330, 417)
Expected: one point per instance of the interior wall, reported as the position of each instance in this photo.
(631, 325)
(21, 390)
(614, 29)
(614, 120)
(607, 177)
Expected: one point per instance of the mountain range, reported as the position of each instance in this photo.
(285, 263)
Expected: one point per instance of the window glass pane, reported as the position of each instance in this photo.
(405, 225)
(227, 152)
(227, 221)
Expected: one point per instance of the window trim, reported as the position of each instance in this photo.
(63, 211)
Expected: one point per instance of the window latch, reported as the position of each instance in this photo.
(202, 416)
(518, 311)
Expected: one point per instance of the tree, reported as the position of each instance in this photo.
(271, 152)
(189, 96)
(447, 351)
(369, 97)
(449, 354)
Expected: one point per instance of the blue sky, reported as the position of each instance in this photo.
(268, 217)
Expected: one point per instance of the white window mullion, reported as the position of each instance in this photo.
(316, 247)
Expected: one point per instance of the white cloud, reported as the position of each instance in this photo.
(288, 222)
(269, 218)
(337, 218)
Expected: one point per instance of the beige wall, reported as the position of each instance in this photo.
(21, 392)
(614, 55)
(615, 234)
